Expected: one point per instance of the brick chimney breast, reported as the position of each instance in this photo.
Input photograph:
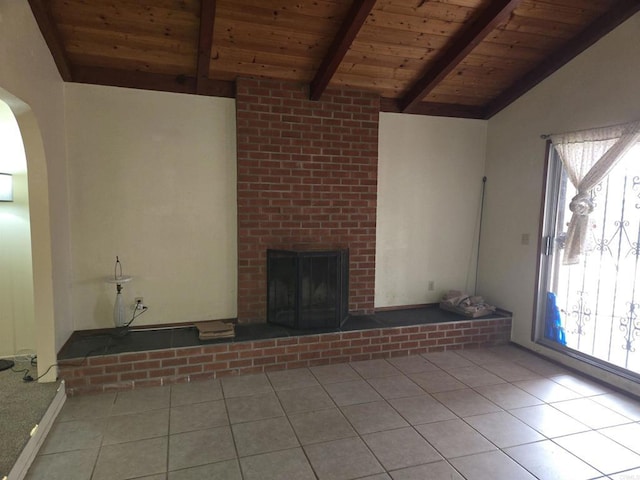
(307, 176)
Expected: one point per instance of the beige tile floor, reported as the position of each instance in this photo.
(497, 413)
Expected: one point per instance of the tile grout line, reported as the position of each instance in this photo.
(411, 425)
(396, 411)
(286, 415)
(233, 437)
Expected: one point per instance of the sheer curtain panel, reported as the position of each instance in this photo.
(588, 156)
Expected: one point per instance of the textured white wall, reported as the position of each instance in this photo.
(598, 88)
(152, 179)
(429, 190)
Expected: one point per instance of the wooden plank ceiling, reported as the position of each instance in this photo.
(464, 58)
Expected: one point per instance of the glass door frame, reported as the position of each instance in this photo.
(547, 243)
(549, 204)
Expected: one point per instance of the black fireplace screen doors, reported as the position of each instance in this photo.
(307, 289)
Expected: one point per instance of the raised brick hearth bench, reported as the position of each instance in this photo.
(127, 371)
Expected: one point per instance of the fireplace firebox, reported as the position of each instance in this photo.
(307, 289)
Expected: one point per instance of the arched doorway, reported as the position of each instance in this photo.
(38, 218)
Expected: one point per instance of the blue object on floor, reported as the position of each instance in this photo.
(553, 329)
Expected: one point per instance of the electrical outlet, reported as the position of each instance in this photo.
(139, 303)
(431, 286)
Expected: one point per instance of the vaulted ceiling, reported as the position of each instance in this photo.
(463, 58)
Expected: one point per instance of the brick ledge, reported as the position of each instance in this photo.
(127, 371)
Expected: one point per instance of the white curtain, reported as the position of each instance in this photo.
(588, 156)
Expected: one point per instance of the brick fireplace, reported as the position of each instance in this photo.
(307, 179)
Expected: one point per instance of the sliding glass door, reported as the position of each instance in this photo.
(592, 308)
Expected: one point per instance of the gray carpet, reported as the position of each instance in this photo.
(22, 406)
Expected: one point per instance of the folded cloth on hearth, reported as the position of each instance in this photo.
(215, 329)
(466, 303)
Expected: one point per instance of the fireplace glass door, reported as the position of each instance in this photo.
(307, 289)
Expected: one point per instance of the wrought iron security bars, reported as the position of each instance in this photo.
(599, 298)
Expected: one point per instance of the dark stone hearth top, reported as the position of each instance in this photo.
(107, 342)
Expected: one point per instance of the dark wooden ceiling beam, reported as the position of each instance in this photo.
(52, 37)
(205, 42)
(152, 81)
(497, 12)
(604, 24)
(434, 109)
(354, 20)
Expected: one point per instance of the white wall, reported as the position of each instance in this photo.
(153, 180)
(30, 83)
(429, 189)
(600, 87)
(17, 321)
